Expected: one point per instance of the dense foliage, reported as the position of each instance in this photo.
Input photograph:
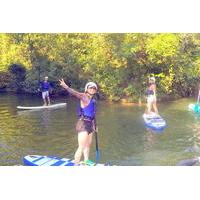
(119, 63)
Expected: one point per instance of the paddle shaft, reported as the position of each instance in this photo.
(97, 146)
(96, 141)
(198, 97)
(39, 77)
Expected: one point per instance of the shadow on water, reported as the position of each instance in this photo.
(123, 138)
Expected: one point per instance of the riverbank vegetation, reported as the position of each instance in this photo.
(119, 63)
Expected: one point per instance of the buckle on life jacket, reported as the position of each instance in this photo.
(86, 118)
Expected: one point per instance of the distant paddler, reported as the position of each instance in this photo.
(44, 88)
(151, 96)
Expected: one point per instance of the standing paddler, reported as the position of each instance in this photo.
(86, 124)
(151, 96)
(45, 87)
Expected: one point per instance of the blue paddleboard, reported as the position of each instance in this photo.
(154, 121)
(38, 160)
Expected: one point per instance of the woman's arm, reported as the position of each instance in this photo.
(79, 95)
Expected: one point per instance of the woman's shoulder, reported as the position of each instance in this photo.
(85, 97)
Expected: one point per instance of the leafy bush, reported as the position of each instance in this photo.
(18, 73)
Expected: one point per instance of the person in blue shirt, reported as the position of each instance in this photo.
(45, 87)
(86, 124)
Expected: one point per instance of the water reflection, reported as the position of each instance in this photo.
(195, 137)
(154, 131)
(45, 118)
(150, 139)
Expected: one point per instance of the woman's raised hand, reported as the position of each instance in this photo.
(63, 84)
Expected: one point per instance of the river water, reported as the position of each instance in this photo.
(123, 138)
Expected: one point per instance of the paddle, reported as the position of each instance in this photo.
(189, 162)
(97, 147)
(196, 107)
(39, 86)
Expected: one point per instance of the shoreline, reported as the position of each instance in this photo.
(122, 101)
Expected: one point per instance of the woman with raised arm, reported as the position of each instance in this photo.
(86, 124)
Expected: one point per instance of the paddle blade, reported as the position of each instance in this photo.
(97, 156)
(189, 162)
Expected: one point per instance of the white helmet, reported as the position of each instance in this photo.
(90, 84)
(152, 79)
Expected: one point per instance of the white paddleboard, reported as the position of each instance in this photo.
(38, 160)
(154, 121)
(58, 105)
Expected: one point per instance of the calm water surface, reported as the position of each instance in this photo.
(123, 138)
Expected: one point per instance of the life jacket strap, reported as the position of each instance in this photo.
(86, 118)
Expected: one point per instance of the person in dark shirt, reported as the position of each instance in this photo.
(86, 124)
(45, 87)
